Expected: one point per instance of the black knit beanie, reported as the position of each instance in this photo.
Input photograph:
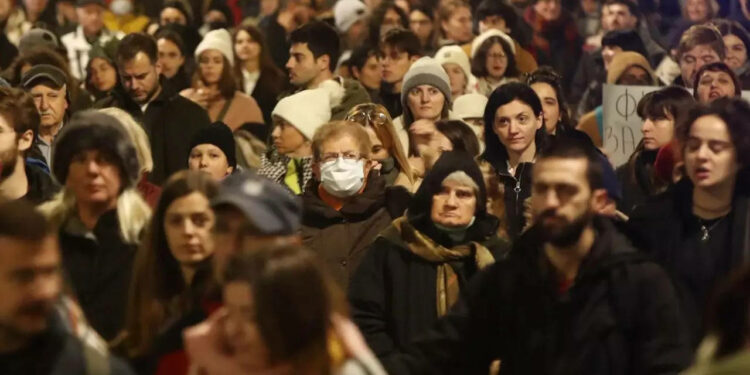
(219, 135)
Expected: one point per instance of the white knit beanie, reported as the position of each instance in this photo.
(347, 12)
(218, 39)
(469, 106)
(481, 38)
(306, 110)
(454, 55)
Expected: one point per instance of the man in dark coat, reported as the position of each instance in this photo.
(345, 209)
(573, 297)
(408, 276)
(170, 120)
(35, 335)
(21, 176)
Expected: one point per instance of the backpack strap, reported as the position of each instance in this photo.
(96, 360)
(224, 110)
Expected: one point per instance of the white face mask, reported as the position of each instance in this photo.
(121, 7)
(341, 177)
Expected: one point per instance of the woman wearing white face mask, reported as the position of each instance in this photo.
(121, 17)
(345, 206)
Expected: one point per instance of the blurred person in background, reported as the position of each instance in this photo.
(20, 176)
(214, 86)
(493, 61)
(386, 147)
(99, 215)
(90, 29)
(255, 71)
(454, 22)
(737, 41)
(456, 64)
(35, 337)
(399, 49)
(422, 24)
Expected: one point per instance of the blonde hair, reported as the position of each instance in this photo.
(133, 213)
(137, 135)
(249, 149)
(335, 129)
(387, 135)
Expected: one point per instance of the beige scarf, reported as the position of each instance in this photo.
(448, 287)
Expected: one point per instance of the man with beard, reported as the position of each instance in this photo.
(35, 336)
(170, 120)
(19, 123)
(573, 296)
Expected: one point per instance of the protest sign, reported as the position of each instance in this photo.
(622, 126)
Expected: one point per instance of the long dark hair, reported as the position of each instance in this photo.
(495, 151)
(271, 76)
(227, 83)
(157, 277)
(461, 136)
(547, 75)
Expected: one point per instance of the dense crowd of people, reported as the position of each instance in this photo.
(273, 187)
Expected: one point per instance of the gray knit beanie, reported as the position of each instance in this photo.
(425, 71)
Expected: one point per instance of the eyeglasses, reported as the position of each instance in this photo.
(346, 155)
(368, 116)
(497, 56)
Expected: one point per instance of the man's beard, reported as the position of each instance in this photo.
(567, 233)
(8, 162)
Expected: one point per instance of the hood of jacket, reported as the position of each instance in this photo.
(344, 94)
(320, 214)
(420, 208)
(624, 60)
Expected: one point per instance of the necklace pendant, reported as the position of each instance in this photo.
(705, 236)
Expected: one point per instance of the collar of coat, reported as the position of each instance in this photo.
(362, 206)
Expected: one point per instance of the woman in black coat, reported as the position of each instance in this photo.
(698, 230)
(414, 271)
(513, 133)
(255, 71)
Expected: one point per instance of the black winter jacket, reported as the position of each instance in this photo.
(517, 190)
(666, 228)
(99, 269)
(41, 186)
(620, 316)
(56, 352)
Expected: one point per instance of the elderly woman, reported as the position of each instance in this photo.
(415, 270)
(386, 147)
(214, 86)
(714, 81)
(99, 213)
